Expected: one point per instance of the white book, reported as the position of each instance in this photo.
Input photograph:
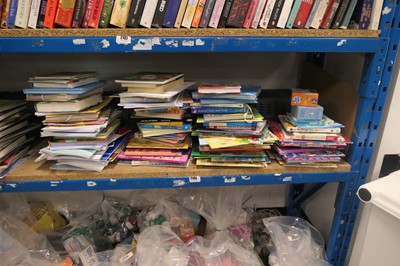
(375, 15)
(148, 13)
(189, 13)
(312, 14)
(319, 14)
(72, 106)
(287, 6)
(265, 17)
(258, 13)
(23, 9)
(33, 14)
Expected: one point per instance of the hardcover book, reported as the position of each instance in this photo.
(51, 10)
(120, 12)
(86, 14)
(238, 13)
(159, 14)
(151, 79)
(135, 13)
(106, 13)
(65, 13)
(95, 14)
(79, 12)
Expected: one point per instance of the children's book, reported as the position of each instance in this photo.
(151, 79)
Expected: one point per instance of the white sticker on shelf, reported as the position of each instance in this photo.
(12, 185)
(91, 184)
(341, 43)
(105, 43)
(179, 183)
(229, 179)
(189, 43)
(246, 178)
(199, 42)
(125, 40)
(78, 41)
(113, 180)
(386, 10)
(194, 179)
(156, 41)
(172, 43)
(287, 179)
(143, 45)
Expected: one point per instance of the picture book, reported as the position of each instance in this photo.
(64, 89)
(333, 128)
(208, 162)
(150, 78)
(63, 83)
(71, 106)
(154, 89)
(218, 88)
(153, 152)
(61, 97)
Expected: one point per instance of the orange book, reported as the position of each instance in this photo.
(198, 13)
(65, 12)
(51, 10)
(95, 13)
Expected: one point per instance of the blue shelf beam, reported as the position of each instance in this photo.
(186, 44)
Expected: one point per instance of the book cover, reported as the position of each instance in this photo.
(86, 14)
(165, 125)
(179, 15)
(65, 13)
(64, 89)
(225, 13)
(266, 15)
(198, 13)
(250, 14)
(51, 10)
(330, 14)
(284, 16)
(189, 13)
(347, 16)
(276, 12)
(159, 14)
(135, 13)
(257, 15)
(339, 14)
(375, 15)
(34, 14)
(319, 14)
(4, 13)
(312, 14)
(79, 11)
(216, 13)
(106, 13)
(119, 15)
(293, 14)
(95, 14)
(206, 16)
(12, 14)
(302, 15)
(148, 13)
(238, 13)
(22, 16)
(150, 78)
(72, 106)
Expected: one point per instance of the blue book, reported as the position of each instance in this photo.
(171, 13)
(234, 124)
(224, 101)
(218, 110)
(247, 92)
(76, 90)
(185, 126)
(12, 14)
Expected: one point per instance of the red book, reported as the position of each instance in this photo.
(327, 13)
(95, 13)
(51, 10)
(86, 15)
(250, 14)
(302, 15)
(238, 13)
(65, 12)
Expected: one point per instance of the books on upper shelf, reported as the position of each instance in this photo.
(218, 88)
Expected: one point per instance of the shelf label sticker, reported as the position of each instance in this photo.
(179, 183)
(199, 42)
(189, 43)
(144, 45)
(125, 40)
(386, 10)
(105, 43)
(91, 184)
(246, 178)
(341, 43)
(78, 41)
(229, 179)
(287, 179)
(194, 179)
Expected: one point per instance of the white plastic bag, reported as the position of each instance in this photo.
(296, 241)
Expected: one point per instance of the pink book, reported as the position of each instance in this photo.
(163, 159)
(216, 13)
(152, 152)
(250, 14)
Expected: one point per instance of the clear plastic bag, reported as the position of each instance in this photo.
(296, 241)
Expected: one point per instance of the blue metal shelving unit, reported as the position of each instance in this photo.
(380, 55)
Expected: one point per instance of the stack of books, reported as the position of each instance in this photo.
(16, 134)
(230, 132)
(306, 135)
(159, 103)
(84, 128)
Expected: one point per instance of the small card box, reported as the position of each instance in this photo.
(302, 97)
(307, 113)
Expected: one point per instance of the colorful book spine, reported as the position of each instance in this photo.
(319, 14)
(217, 110)
(135, 13)
(42, 14)
(329, 15)
(148, 13)
(225, 13)
(12, 14)
(106, 13)
(4, 13)
(198, 13)
(65, 13)
(94, 18)
(189, 13)
(34, 14)
(258, 13)
(216, 13)
(160, 14)
(171, 125)
(79, 10)
(234, 124)
(119, 15)
(266, 16)
(21, 19)
(276, 12)
(365, 17)
(178, 17)
(238, 13)
(347, 16)
(375, 15)
(250, 14)
(86, 14)
(293, 14)
(51, 10)
(284, 16)
(206, 16)
(312, 14)
(340, 14)
(302, 15)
